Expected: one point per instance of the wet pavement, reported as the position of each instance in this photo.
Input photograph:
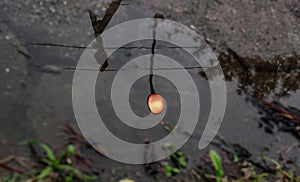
(258, 49)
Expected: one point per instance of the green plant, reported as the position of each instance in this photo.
(9, 178)
(180, 158)
(277, 165)
(249, 173)
(60, 163)
(170, 170)
(279, 170)
(175, 161)
(216, 161)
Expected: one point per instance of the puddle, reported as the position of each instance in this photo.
(263, 94)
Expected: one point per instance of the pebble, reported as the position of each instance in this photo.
(7, 70)
(7, 37)
(52, 9)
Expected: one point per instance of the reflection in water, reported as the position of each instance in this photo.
(257, 77)
(155, 103)
(275, 116)
(260, 78)
(98, 27)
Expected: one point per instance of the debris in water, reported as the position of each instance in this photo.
(51, 69)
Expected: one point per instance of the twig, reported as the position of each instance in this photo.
(196, 174)
(10, 168)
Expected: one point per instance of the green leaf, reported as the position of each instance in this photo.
(71, 149)
(59, 159)
(48, 151)
(168, 128)
(175, 170)
(179, 153)
(278, 166)
(169, 174)
(13, 178)
(262, 175)
(182, 161)
(68, 168)
(167, 145)
(89, 178)
(46, 161)
(216, 161)
(69, 178)
(168, 167)
(77, 172)
(45, 172)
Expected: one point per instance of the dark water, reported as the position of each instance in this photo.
(37, 109)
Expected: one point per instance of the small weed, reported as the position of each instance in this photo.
(170, 170)
(174, 162)
(61, 164)
(216, 161)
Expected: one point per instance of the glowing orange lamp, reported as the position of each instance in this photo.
(155, 103)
